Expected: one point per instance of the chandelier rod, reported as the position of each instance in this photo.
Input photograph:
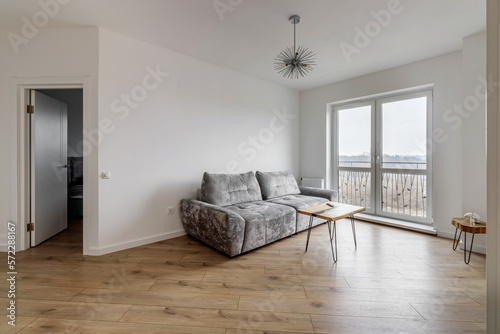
(294, 27)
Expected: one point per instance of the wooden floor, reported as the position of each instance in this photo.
(396, 281)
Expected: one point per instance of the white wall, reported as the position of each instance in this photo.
(49, 53)
(199, 118)
(445, 72)
(474, 131)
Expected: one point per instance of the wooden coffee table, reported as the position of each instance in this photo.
(329, 214)
(466, 227)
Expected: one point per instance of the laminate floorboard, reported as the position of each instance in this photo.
(395, 281)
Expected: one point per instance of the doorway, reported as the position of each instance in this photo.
(20, 89)
(55, 163)
(380, 156)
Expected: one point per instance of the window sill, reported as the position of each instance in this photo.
(428, 229)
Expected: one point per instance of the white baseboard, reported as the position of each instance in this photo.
(447, 235)
(124, 245)
(427, 229)
(134, 243)
(476, 248)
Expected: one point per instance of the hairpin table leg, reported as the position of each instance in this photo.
(332, 233)
(309, 231)
(465, 248)
(354, 231)
(455, 240)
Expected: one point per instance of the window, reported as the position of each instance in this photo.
(379, 155)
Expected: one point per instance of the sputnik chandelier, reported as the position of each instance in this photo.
(292, 62)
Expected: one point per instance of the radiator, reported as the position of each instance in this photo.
(312, 182)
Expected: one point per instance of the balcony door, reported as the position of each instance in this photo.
(381, 158)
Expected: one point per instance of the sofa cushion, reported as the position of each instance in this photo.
(227, 189)
(300, 202)
(275, 184)
(265, 222)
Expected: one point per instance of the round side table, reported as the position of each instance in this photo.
(465, 226)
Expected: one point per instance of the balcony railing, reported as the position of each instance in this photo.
(402, 193)
(354, 188)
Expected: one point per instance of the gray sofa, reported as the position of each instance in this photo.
(236, 213)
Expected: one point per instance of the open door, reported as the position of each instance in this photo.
(48, 167)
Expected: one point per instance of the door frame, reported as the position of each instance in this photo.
(493, 163)
(335, 146)
(429, 147)
(20, 168)
(375, 101)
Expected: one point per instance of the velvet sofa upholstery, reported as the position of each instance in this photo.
(236, 213)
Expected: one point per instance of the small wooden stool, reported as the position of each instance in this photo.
(465, 226)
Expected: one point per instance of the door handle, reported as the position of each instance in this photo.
(66, 166)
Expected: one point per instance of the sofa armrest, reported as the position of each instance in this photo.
(318, 192)
(216, 226)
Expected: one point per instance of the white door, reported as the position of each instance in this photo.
(353, 160)
(49, 133)
(403, 160)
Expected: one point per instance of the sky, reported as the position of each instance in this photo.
(403, 128)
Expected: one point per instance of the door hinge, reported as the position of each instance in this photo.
(31, 227)
(30, 109)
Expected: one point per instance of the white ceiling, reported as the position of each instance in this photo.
(252, 32)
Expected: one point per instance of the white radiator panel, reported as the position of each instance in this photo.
(312, 182)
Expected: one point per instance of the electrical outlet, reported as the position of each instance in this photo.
(170, 210)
